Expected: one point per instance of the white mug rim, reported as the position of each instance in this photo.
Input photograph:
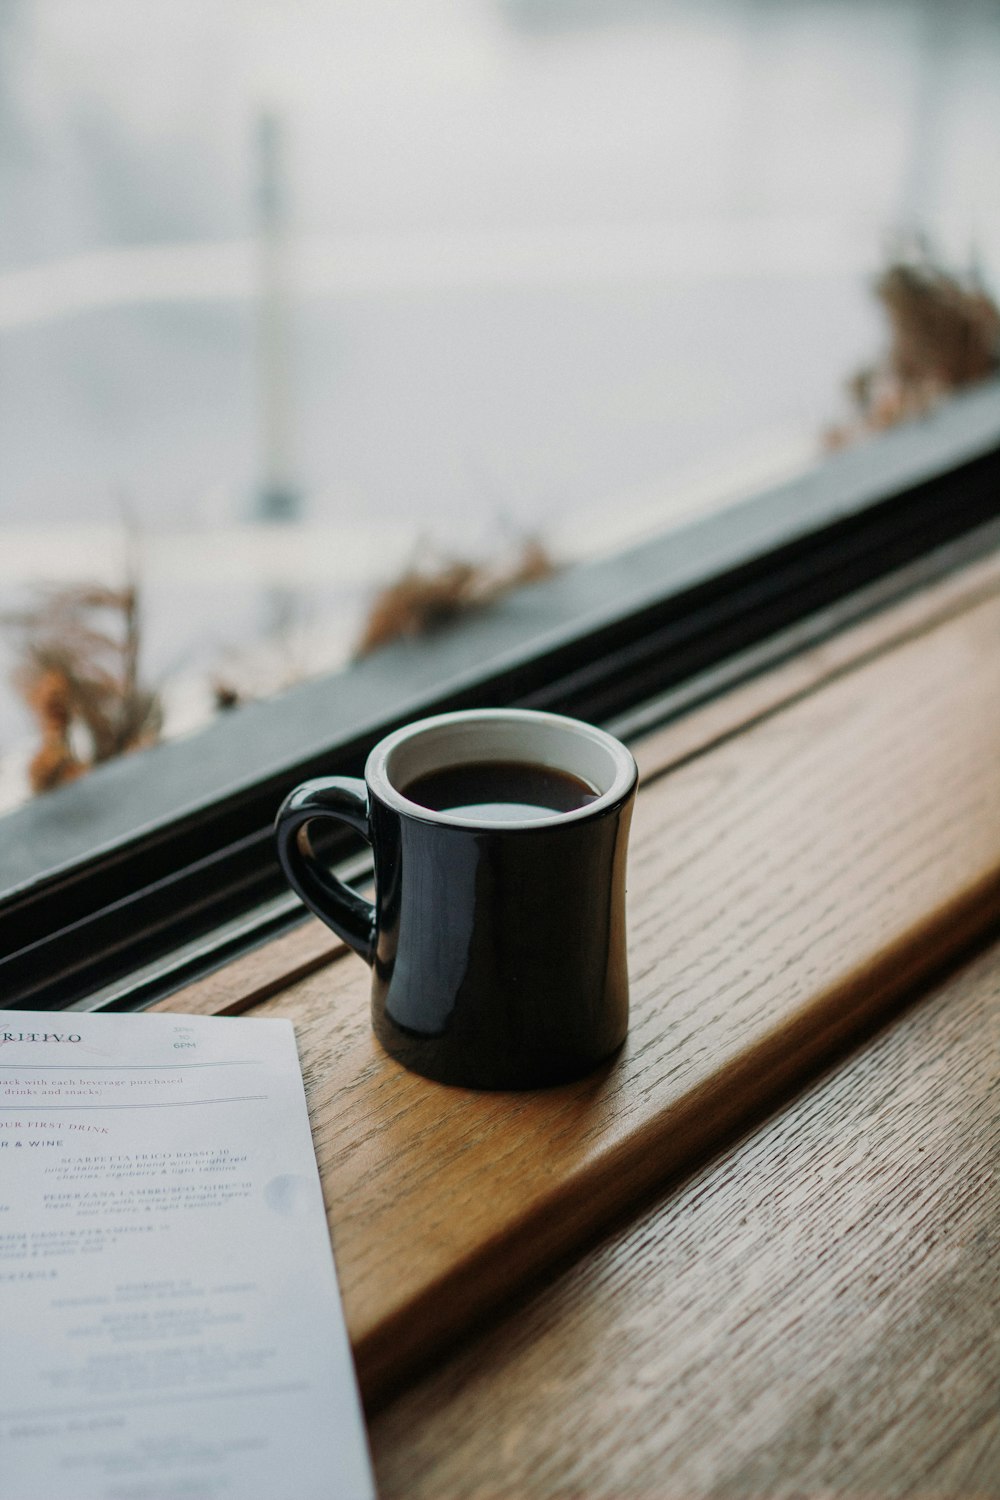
(622, 781)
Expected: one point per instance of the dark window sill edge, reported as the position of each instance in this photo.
(186, 826)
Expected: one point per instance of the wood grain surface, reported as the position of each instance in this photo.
(816, 1314)
(784, 888)
(259, 974)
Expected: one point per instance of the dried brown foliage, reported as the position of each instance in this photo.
(427, 597)
(226, 695)
(944, 336)
(79, 674)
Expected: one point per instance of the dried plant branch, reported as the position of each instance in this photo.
(78, 673)
(944, 336)
(428, 596)
(277, 660)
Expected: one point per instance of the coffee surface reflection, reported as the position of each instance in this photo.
(500, 791)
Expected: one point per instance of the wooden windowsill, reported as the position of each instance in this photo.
(805, 853)
(813, 1313)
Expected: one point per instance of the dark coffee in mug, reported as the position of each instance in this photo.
(500, 790)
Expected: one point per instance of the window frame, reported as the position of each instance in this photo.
(154, 868)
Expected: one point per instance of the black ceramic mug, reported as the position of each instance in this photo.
(497, 934)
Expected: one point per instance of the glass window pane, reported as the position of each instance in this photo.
(291, 291)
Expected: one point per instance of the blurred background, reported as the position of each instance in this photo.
(294, 293)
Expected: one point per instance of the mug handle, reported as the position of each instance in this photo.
(345, 799)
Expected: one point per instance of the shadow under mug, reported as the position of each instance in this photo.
(497, 947)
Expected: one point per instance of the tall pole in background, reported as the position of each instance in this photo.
(278, 497)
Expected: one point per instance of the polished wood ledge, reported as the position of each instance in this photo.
(809, 854)
(814, 1315)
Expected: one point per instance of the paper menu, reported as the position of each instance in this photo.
(170, 1326)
